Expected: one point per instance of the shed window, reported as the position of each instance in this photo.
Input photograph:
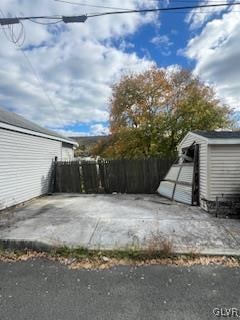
(188, 154)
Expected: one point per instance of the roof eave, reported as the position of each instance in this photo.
(186, 136)
(35, 133)
(224, 141)
(211, 141)
(199, 135)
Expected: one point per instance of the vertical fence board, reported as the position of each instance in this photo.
(76, 177)
(103, 175)
(90, 177)
(68, 177)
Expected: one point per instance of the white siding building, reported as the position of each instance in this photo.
(218, 164)
(27, 152)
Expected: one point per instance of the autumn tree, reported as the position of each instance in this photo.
(151, 112)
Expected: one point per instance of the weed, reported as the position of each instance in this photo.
(78, 253)
(158, 245)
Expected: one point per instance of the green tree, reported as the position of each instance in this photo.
(151, 112)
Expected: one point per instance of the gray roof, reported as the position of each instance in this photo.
(16, 120)
(219, 134)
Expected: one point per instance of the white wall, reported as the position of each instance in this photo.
(67, 152)
(203, 162)
(25, 166)
(224, 173)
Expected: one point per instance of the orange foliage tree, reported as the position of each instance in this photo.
(151, 112)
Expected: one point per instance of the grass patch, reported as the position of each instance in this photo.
(156, 246)
(130, 254)
(82, 258)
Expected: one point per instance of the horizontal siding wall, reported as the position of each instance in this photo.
(189, 139)
(224, 170)
(25, 166)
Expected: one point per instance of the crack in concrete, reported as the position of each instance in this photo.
(229, 232)
(97, 224)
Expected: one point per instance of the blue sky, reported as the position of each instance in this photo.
(61, 76)
(174, 30)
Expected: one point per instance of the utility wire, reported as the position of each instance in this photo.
(10, 33)
(165, 9)
(90, 5)
(184, 1)
(198, 12)
(35, 73)
(11, 36)
(45, 23)
(164, 1)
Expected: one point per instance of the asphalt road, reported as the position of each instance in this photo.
(42, 290)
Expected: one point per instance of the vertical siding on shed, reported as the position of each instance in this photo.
(224, 170)
(25, 166)
(203, 161)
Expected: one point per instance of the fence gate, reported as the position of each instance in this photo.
(90, 177)
(68, 177)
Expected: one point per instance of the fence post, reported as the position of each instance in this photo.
(52, 183)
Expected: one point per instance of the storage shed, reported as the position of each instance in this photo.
(27, 152)
(208, 167)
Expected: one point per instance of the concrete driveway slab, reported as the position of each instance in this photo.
(185, 236)
(118, 222)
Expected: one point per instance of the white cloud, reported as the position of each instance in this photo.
(76, 64)
(163, 43)
(161, 40)
(216, 51)
(125, 45)
(71, 133)
(197, 17)
(99, 129)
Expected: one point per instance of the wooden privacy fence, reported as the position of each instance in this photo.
(108, 176)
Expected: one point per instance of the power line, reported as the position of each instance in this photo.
(90, 5)
(10, 33)
(170, 0)
(15, 40)
(198, 12)
(166, 9)
(35, 73)
(45, 23)
(82, 18)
